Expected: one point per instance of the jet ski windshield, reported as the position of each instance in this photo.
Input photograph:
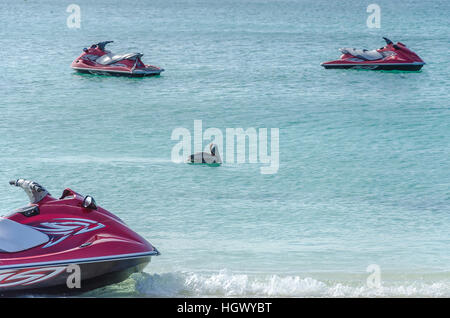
(387, 41)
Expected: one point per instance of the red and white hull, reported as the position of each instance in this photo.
(118, 71)
(56, 278)
(414, 66)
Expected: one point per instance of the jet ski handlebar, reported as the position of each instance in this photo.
(34, 190)
(387, 41)
(101, 45)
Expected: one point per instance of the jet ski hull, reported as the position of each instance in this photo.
(375, 67)
(56, 278)
(142, 73)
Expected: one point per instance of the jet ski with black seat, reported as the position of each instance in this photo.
(46, 244)
(97, 60)
(390, 57)
(212, 158)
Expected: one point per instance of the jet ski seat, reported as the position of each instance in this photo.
(363, 54)
(109, 58)
(16, 237)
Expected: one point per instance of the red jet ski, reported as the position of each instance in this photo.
(98, 60)
(390, 57)
(44, 243)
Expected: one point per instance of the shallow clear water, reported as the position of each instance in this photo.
(364, 156)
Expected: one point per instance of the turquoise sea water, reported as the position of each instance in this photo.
(364, 156)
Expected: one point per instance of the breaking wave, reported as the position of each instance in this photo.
(225, 284)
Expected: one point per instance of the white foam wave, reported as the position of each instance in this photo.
(225, 284)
